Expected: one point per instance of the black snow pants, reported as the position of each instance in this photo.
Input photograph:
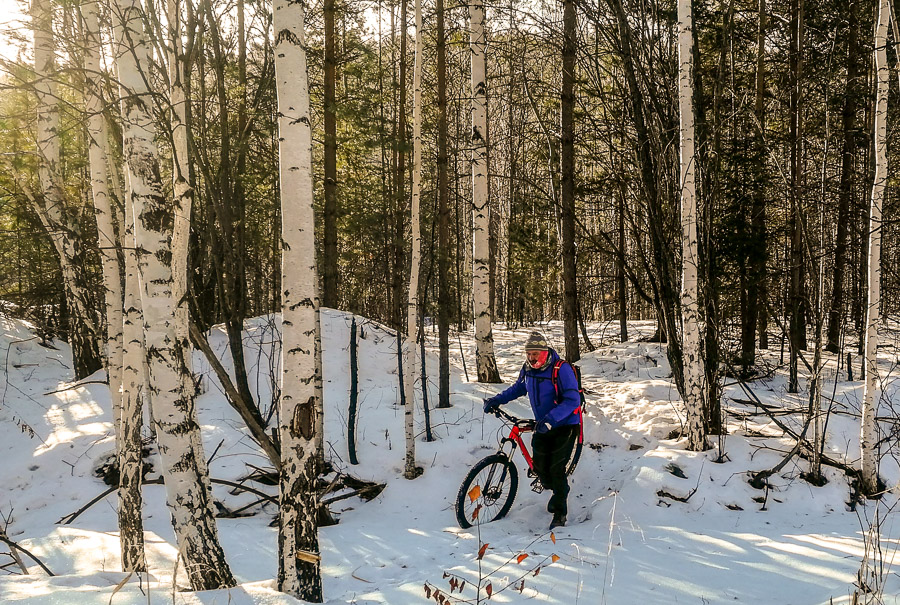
(551, 453)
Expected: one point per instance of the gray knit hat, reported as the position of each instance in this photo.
(536, 342)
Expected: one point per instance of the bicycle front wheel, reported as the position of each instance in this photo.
(487, 492)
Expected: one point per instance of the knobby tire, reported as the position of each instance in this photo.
(498, 480)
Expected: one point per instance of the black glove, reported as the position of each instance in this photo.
(490, 405)
(543, 427)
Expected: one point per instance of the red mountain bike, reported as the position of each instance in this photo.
(488, 491)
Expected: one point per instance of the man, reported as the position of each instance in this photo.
(556, 410)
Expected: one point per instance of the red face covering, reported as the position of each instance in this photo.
(537, 359)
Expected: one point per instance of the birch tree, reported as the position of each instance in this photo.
(106, 235)
(481, 269)
(135, 395)
(50, 204)
(299, 574)
(694, 396)
(188, 490)
(126, 409)
(412, 305)
(181, 185)
(868, 438)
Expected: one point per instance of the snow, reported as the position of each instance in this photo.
(629, 540)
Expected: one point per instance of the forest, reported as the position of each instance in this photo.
(718, 170)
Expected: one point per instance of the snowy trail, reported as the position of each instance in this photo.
(625, 543)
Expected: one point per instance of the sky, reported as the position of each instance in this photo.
(11, 14)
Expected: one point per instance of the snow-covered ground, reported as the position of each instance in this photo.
(625, 542)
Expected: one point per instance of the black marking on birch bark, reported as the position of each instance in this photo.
(156, 217)
(302, 424)
(182, 427)
(286, 35)
(186, 462)
(131, 102)
(164, 256)
(306, 302)
(300, 350)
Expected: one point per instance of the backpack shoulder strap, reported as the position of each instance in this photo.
(554, 379)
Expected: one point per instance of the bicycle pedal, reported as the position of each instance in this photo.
(536, 486)
(531, 473)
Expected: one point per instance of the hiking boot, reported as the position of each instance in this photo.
(559, 520)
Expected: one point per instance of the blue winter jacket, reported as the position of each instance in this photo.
(538, 385)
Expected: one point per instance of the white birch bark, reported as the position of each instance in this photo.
(51, 207)
(481, 270)
(127, 417)
(690, 308)
(299, 572)
(868, 437)
(109, 259)
(181, 230)
(106, 234)
(411, 361)
(181, 187)
(134, 399)
(187, 485)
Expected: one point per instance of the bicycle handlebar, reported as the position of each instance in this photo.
(520, 422)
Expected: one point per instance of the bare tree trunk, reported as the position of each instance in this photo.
(443, 216)
(797, 328)
(757, 316)
(187, 484)
(412, 305)
(184, 193)
(694, 393)
(299, 572)
(135, 395)
(127, 418)
(51, 207)
(665, 296)
(621, 285)
(837, 312)
(106, 233)
(567, 182)
(868, 438)
(815, 387)
(484, 339)
(330, 260)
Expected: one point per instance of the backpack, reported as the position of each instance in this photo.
(554, 380)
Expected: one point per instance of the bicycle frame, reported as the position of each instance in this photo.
(519, 427)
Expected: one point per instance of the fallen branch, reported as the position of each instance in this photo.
(664, 494)
(849, 470)
(68, 519)
(366, 493)
(367, 490)
(15, 546)
(758, 480)
(75, 386)
(13, 552)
